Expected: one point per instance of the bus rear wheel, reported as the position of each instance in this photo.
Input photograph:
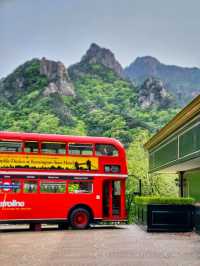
(80, 218)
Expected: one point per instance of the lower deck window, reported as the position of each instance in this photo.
(52, 187)
(80, 187)
(10, 187)
(1, 186)
(30, 187)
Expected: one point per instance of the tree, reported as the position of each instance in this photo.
(156, 184)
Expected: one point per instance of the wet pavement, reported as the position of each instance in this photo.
(120, 245)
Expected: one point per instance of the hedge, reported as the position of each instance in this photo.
(144, 200)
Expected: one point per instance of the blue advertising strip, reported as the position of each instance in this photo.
(9, 186)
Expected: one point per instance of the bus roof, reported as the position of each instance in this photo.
(5, 135)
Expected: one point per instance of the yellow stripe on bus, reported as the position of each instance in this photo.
(48, 162)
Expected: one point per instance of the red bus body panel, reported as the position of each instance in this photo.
(22, 207)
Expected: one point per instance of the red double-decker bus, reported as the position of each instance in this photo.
(46, 178)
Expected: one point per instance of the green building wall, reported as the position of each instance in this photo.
(179, 147)
(192, 184)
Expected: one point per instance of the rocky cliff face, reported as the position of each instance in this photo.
(142, 68)
(58, 78)
(44, 76)
(96, 55)
(182, 82)
(152, 93)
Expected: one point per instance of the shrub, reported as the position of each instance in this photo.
(144, 200)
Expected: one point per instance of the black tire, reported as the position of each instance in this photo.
(80, 218)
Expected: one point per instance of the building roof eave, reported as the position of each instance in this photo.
(187, 113)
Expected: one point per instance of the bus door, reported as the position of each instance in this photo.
(112, 201)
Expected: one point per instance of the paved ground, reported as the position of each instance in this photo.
(124, 245)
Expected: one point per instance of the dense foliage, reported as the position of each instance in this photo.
(152, 184)
(103, 105)
(163, 200)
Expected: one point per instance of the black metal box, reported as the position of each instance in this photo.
(170, 218)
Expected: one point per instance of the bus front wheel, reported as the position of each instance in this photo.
(80, 218)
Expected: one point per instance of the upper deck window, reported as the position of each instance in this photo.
(10, 146)
(55, 148)
(80, 149)
(106, 150)
(31, 147)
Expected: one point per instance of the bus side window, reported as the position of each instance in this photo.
(80, 187)
(31, 147)
(15, 186)
(30, 186)
(106, 150)
(80, 149)
(54, 148)
(52, 187)
(10, 146)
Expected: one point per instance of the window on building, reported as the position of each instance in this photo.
(31, 147)
(30, 186)
(52, 187)
(80, 187)
(106, 150)
(10, 146)
(80, 149)
(55, 148)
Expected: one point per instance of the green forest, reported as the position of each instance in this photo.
(103, 104)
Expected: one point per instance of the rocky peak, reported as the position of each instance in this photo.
(57, 76)
(145, 66)
(152, 93)
(149, 60)
(98, 55)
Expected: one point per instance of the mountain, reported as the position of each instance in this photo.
(182, 82)
(35, 89)
(89, 98)
(96, 55)
(36, 74)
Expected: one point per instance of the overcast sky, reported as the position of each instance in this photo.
(64, 29)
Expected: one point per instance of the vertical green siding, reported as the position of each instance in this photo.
(189, 141)
(183, 145)
(165, 154)
(192, 184)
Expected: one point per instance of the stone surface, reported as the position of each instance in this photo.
(183, 82)
(99, 55)
(58, 78)
(96, 55)
(121, 245)
(153, 93)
